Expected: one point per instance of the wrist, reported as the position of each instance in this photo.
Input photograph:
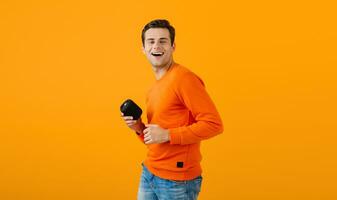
(140, 130)
(168, 135)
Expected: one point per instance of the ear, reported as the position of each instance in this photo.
(174, 46)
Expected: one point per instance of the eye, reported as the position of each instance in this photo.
(150, 42)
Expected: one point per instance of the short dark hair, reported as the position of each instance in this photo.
(159, 23)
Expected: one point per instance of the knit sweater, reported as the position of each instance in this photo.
(179, 102)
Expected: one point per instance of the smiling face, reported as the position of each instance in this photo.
(157, 47)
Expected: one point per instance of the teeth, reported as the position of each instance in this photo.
(158, 53)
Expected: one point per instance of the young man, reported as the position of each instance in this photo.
(180, 114)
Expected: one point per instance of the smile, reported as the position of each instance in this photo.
(157, 53)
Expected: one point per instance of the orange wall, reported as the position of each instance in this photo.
(65, 67)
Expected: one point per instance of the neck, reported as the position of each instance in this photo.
(159, 72)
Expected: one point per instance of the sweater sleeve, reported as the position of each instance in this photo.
(207, 121)
(141, 135)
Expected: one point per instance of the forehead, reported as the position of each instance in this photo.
(156, 33)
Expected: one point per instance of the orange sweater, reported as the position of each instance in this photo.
(179, 102)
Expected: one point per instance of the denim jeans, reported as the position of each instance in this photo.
(152, 187)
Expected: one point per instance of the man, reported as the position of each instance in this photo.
(180, 114)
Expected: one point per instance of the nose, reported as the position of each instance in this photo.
(156, 45)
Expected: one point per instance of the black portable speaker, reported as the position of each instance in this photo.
(130, 108)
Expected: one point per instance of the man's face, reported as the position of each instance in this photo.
(157, 47)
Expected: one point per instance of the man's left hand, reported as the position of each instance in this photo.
(154, 134)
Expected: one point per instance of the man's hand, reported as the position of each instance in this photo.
(136, 125)
(154, 134)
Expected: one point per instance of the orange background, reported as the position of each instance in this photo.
(66, 66)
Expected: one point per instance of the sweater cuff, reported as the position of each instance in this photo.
(175, 136)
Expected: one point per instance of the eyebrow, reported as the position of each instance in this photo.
(159, 39)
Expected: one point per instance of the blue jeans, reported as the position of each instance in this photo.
(154, 188)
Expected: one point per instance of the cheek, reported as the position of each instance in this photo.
(169, 49)
(147, 48)
(168, 52)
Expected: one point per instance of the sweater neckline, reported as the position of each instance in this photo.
(173, 65)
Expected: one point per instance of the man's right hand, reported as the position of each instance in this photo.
(136, 125)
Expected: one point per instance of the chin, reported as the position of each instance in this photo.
(157, 64)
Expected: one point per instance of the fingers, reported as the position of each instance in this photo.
(147, 135)
(147, 139)
(151, 125)
(130, 122)
(145, 131)
(126, 117)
